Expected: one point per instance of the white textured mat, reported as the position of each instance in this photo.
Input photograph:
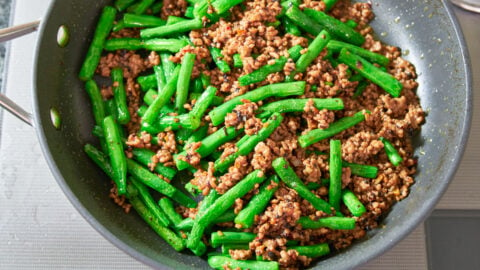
(40, 229)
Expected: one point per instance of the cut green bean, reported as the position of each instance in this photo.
(237, 61)
(202, 104)
(167, 205)
(174, 19)
(366, 171)
(100, 159)
(142, 6)
(198, 135)
(258, 203)
(134, 20)
(184, 121)
(353, 203)
(336, 27)
(335, 169)
(313, 251)
(170, 237)
(105, 25)
(146, 177)
(131, 44)
(295, 52)
(336, 46)
(218, 239)
(227, 247)
(168, 30)
(205, 80)
(187, 223)
(208, 145)
(244, 147)
(160, 44)
(317, 135)
(329, 4)
(197, 87)
(147, 82)
(116, 154)
(334, 223)
(261, 74)
(383, 79)
(351, 23)
(298, 105)
(290, 178)
(150, 97)
(222, 6)
(217, 57)
(167, 65)
(144, 157)
(122, 5)
(221, 205)
(218, 114)
(392, 153)
(189, 12)
(215, 102)
(160, 76)
(291, 28)
(220, 262)
(184, 81)
(147, 199)
(163, 98)
(98, 107)
(120, 96)
(314, 50)
(303, 21)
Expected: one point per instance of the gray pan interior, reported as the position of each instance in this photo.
(424, 29)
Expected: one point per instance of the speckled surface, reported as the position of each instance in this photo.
(4, 20)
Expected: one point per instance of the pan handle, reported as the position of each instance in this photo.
(6, 35)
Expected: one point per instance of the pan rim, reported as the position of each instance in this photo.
(415, 219)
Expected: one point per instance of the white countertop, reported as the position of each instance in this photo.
(40, 229)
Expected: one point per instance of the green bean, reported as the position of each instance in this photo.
(168, 30)
(208, 145)
(392, 153)
(237, 61)
(227, 247)
(198, 135)
(132, 44)
(156, 7)
(220, 262)
(383, 79)
(218, 239)
(150, 97)
(111, 109)
(116, 154)
(353, 203)
(144, 157)
(120, 96)
(215, 102)
(174, 19)
(313, 251)
(147, 82)
(134, 20)
(98, 108)
(336, 27)
(202, 104)
(258, 203)
(159, 44)
(335, 169)
(298, 105)
(153, 181)
(329, 4)
(167, 205)
(317, 135)
(303, 21)
(119, 25)
(163, 97)
(222, 204)
(187, 223)
(218, 114)
(295, 52)
(313, 185)
(351, 23)
(205, 80)
(184, 81)
(291, 28)
(147, 199)
(360, 89)
(170, 237)
(366, 171)
(336, 46)
(246, 146)
(142, 6)
(200, 9)
(192, 189)
(314, 49)
(334, 223)
(167, 65)
(217, 57)
(94, 53)
(160, 76)
(100, 159)
(189, 12)
(261, 74)
(290, 178)
(197, 87)
(184, 121)
(122, 5)
(222, 6)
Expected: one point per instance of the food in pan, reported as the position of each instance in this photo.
(262, 134)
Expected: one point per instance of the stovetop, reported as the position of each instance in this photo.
(40, 229)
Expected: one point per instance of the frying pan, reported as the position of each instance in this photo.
(425, 29)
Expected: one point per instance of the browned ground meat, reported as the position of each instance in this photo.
(249, 33)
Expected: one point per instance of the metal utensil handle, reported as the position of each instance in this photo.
(6, 35)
